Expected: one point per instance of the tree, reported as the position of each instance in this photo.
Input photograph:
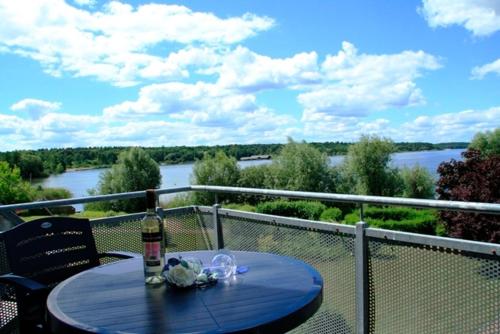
(217, 170)
(12, 187)
(476, 179)
(300, 166)
(417, 182)
(134, 171)
(488, 143)
(366, 168)
(31, 166)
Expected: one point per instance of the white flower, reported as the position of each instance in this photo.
(181, 276)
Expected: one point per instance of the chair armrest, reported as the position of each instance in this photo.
(23, 283)
(120, 255)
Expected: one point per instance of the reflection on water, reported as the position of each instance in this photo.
(78, 182)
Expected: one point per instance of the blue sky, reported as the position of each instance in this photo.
(97, 73)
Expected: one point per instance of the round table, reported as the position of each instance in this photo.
(275, 295)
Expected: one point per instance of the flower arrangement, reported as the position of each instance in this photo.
(187, 272)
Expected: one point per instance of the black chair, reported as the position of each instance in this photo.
(42, 253)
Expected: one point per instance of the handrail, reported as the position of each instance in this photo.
(486, 208)
(489, 208)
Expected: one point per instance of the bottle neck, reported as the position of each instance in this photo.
(151, 211)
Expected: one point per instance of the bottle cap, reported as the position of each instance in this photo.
(150, 199)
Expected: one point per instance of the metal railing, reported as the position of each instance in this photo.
(376, 281)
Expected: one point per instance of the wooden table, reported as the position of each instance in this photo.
(276, 294)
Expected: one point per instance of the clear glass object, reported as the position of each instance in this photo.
(223, 264)
(153, 242)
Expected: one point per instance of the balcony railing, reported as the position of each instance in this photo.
(376, 281)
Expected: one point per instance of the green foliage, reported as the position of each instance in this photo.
(217, 170)
(239, 207)
(179, 201)
(254, 177)
(299, 209)
(134, 171)
(366, 168)
(417, 182)
(56, 160)
(299, 166)
(31, 166)
(488, 143)
(331, 215)
(397, 218)
(12, 188)
(49, 194)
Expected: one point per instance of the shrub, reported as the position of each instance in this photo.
(366, 169)
(239, 207)
(476, 179)
(399, 219)
(12, 188)
(219, 170)
(417, 182)
(178, 201)
(134, 171)
(299, 209)
(331, 215)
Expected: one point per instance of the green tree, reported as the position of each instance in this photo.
(488, 143)
(366, 169)
(417, 182)
(217, 170)
(134, 171)
(31, 166)
(300, 166)
(12, 187)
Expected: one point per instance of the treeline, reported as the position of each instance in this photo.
(43, 162)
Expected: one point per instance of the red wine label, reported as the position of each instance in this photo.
(152, 253)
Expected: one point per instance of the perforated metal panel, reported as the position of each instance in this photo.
(188, 230)
(419, 289)
(330, 253)
(117, 236)
(8, 308)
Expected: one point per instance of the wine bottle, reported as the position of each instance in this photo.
(153, 242)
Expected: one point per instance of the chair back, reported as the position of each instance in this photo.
(49, 250)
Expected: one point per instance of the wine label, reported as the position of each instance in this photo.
(152, 253)
(151, 237)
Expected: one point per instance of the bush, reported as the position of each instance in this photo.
(12, 188)
(219, 170)
(331, 215)
(239, 207)
(134, 171)
(476, 179)
(299, 209)
(366, 168)
(417, 182)
(399, 219)
(300, 166)
(50, 194)
(178, 201)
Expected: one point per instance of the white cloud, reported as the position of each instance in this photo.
(452, 126)
(66, 39)
(481, 17)
(447, 127)
(35, 108)
(480, 72)
(356, 84)
(249, 71)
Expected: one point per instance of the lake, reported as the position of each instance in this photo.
(78, 182)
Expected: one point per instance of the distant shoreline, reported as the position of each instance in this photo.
(250, 158)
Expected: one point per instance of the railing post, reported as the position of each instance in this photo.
(219, 238)
(361, 260)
